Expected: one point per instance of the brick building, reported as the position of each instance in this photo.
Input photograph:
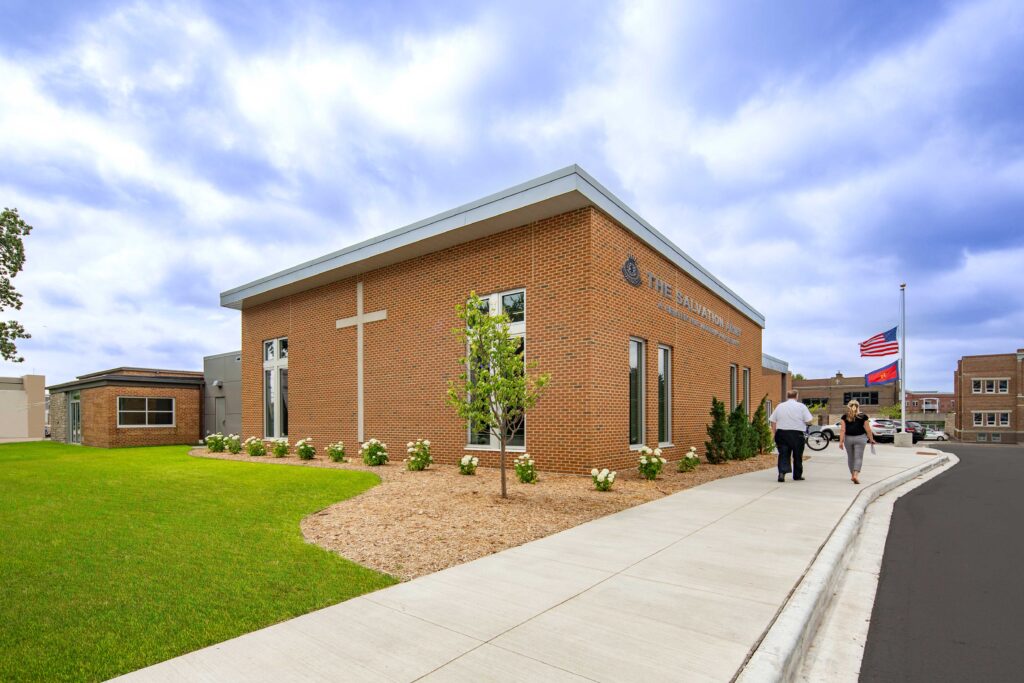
(128, 407)
(933, 409)
(777, 379)
(636, 335)
(835, 392)
(989, 394)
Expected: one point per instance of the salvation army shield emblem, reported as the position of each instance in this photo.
(631, 272)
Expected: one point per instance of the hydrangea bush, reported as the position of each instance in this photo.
(419, 455)
(233, 443)
(651, 462)
(304, 448)
(374, 452)
(689, 461)
(279, 447)
(526, 471)
(603, 479)
(468, 464)
(215, 443)
(255, 447)
(336, 451)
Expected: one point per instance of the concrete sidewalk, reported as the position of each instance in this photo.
(679, 589)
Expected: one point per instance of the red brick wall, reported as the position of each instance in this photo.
(99, 417)
(580, 314)
(1004, 365)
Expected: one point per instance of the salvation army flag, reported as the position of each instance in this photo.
(882, 344)
(887, 375)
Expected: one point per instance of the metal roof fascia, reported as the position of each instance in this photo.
(773, 363)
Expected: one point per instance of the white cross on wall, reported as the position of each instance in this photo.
(359, 319)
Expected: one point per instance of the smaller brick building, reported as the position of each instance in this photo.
(836, 392)
(989, 394)
(128, 407)
(777, 379)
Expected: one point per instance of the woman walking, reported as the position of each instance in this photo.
(854, 435)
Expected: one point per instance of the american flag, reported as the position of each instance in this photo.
(882, 344)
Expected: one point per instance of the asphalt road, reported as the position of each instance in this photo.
(950, 602)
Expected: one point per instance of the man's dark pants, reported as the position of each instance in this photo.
(791, 445)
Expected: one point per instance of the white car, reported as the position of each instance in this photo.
(882, 429)
(935, 435)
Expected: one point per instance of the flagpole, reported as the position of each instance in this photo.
(903, 356)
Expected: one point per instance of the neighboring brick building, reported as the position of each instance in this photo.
(358, 343)
(837, 391)
(989, 394)
(128, 407)
(933, 409)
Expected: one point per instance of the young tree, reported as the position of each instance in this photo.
(762, 429)
(893, 412)
(12, 257)
(819, 411)
(717, 445)
(738, 427)
(494, 390)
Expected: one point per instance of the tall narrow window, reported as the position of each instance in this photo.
(275, 388)
(746, 390)
(732, 387)
(664, 395)
(636, 392)
(513, 305)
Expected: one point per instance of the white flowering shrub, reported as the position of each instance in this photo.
(304, 448)
(526, 471)
(233, 443)
(651, 462)
(603, 479)
(690, 460)
(279, 447)
(255, 447)
(215, 442)
(374, 452)
(419, 455)
(468, 464)
(336, 451)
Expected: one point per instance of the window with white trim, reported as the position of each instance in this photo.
(732, 387)
(145, 411)
(746, 390)
(636, 392)
(979, 420)
(513, 304)
(275, 388)
(664, 395)
(991, 418)
(990, 385)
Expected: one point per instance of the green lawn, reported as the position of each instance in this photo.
(111, 560)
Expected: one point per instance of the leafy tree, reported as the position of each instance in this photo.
(762, 429)
(493, 391)
(799, 376)
(893, 412)
(818, 410)
(12, 257)
(718, 434)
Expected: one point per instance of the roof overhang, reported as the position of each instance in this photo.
(773, 363)
(125, 381)
(549, 195)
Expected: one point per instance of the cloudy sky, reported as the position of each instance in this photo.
(811, 155)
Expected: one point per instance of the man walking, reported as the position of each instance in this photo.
(789, 423)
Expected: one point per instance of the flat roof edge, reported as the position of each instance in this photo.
(773, 363)
(447, 221)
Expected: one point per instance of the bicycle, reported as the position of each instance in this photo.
(816, 441)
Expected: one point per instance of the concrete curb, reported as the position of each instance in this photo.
(778, 656)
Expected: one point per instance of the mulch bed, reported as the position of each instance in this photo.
(416, 523)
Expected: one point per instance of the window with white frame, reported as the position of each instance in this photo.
(513, 305)
(145, 411)
(275, 387)
(732, 387)
(991, 419)
(664, 395)
(636, 392)
(746, 390)
(997, 437)
(990, 385)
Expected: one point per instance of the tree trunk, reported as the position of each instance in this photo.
(504, 493)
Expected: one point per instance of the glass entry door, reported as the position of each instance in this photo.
(74, 417)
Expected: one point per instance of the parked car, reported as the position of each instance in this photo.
(916, 430)
(884, 430)
(935, 435)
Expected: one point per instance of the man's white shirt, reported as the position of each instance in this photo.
(791, 414)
